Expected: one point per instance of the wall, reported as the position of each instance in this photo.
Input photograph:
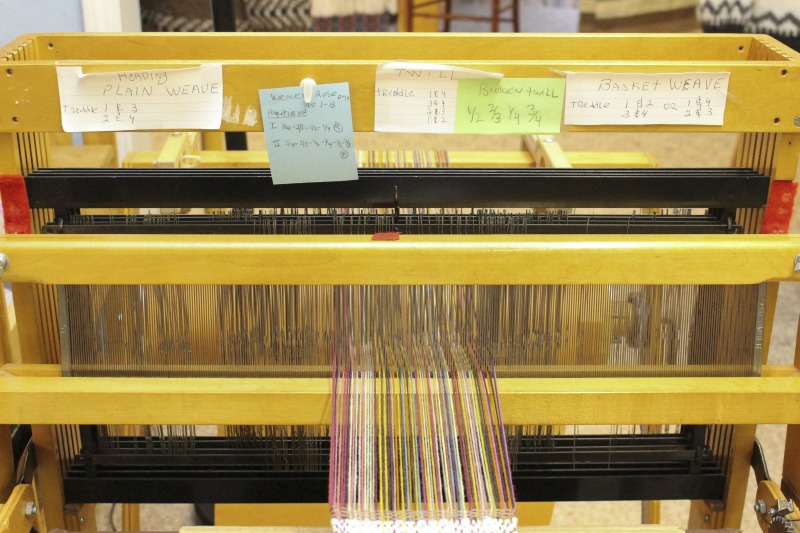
(29, 16)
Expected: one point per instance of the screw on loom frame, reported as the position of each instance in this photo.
(760, 507)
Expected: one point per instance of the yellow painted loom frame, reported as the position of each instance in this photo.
(764, 103)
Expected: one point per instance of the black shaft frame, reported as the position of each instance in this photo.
(401, 188)
(224, 470)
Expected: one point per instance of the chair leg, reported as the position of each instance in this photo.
(495, 15)
(448, 5)
(409, 22)
(515, 14)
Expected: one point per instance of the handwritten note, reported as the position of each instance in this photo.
(309, 142)
(189, 98)
(694, 98)
(419, 97)
(509, 105)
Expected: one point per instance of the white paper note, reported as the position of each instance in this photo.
(165, 99)
(419, 97)
(693, 98)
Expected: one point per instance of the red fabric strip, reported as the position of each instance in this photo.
(386, 236)
(16, 210)
(778, 213)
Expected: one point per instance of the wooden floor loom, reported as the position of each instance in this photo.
(675, 308)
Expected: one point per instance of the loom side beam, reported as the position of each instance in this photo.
(438, 259)
(41, 398)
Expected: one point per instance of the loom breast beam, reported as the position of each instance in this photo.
(123, 259)
(479, 259)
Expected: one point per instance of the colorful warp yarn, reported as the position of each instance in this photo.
(417, 439)
(403, 158)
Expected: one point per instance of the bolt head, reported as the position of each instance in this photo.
(30, 509)
(796, 263)
(760, 507)
(797, 121)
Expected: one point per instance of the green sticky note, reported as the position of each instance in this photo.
(509, 105)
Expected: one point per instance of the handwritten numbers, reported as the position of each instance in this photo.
(474, 115)
(416, 97)
(509, 105)
(176, 99)
(436, 108)
(694, 98)
(494, 114)
(534, 115)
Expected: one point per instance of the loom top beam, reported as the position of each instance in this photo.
(414, 259)
(303, 45)
(280, 61)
